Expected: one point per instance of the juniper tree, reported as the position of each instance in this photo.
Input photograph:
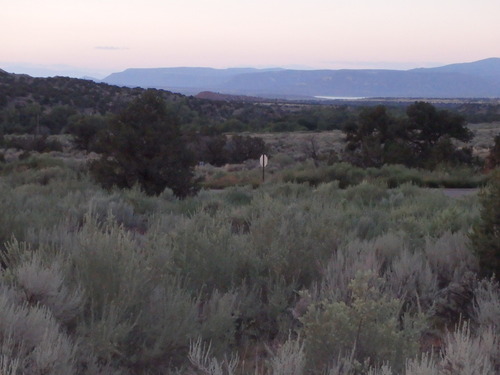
(143, 145)
(423, 138)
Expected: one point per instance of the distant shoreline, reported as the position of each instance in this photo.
(341, 97)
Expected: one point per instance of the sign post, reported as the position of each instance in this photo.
(263, 163)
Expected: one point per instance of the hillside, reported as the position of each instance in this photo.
(466, 80)
(52, 103)
(83, 95)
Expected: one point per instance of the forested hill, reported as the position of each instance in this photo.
(82, 95)
(52, 102)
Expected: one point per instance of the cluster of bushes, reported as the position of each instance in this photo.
(28, 143)
(390, 175)
(144, 144)
(328, 168)
(285, 279)
(423, 138)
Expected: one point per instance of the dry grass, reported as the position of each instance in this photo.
(299, 144)
(484, 135)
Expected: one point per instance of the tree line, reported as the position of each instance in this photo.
(136, 130)
(424, 137)
(51, 105)
(144, 144)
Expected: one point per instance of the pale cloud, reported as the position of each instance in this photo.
(111, 48)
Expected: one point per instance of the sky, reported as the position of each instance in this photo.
(99, 37)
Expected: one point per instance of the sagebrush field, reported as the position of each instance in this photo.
(282, 279)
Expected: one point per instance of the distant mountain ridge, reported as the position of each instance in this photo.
(480, 79)
(187, 80)
(482, 68)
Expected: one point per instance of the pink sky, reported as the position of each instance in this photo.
(97, 37)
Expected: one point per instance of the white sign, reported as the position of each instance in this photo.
(263, 160)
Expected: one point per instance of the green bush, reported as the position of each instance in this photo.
(391, 175)
(346, 174)
(368, 326)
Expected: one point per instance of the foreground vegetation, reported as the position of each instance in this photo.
(341, 263)
(283, 279)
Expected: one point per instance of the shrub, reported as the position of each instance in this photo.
(355, 257)
(411, 279)
(34, 143)
(368, 325)
(201, 358)
(293, 240)
(344, 173)
(137, 313)
(283, 160)
(237, 196)
(449, 257)
(46, 285)
(222, 180)
(289, 358)
(31, 339)
(207, 254)
(468, 354)
(487, 305)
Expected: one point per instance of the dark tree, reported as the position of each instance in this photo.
(85, 130)
(485, 236)
(57, 118)
(209, 148)
(424, 138)
(427, 128)
(369, 137)
(241, 148)
(143, 145)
